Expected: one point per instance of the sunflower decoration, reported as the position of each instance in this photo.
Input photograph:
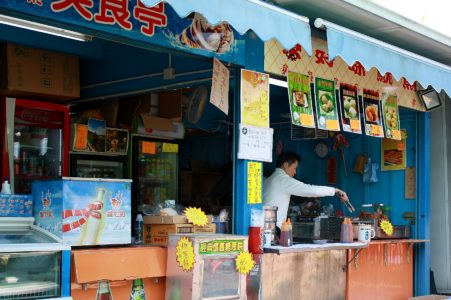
(244, 262)
(386, 227)
(184, 252)
(196, 216)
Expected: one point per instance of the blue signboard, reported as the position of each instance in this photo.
(159, 25)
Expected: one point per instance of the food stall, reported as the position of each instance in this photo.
(146, 81)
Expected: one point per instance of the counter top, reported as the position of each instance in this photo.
(396, 241)
(315, 247)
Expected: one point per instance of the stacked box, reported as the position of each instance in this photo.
(158, 233)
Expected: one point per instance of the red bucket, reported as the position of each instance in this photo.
(256, 235)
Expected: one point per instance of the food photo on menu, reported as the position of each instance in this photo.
(371, 109)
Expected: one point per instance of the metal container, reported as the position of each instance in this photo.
(271, 221)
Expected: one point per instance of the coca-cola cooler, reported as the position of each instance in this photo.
(34, 142)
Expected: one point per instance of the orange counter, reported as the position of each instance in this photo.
(384, 270)
(115, 269)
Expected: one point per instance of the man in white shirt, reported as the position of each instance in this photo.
(279, 187)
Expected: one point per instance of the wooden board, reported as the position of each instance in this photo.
(304, 275)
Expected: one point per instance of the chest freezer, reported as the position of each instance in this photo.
(34, 264)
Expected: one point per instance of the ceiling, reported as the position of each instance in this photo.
(379, 24)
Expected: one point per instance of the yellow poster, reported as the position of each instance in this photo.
(185, 254)
(254, 98)
(254, 182)
(394, 153)
(196, 216)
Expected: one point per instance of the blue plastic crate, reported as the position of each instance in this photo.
(16, 206)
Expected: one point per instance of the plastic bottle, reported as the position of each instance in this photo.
(346, 234)
(139, 229)
(6, 189)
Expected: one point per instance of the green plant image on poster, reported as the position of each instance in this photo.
(300, 100)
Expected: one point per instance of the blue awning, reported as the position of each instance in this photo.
(352, 46)
(266, 20)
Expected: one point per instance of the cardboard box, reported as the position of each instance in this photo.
(16, 206)
(165, 219)
(118, 267)
(209, 228)
(35, 72)
(159, 127)
(158, 233)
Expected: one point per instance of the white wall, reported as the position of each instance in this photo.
(441, 196)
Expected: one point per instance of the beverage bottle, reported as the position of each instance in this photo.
(139, 229)
(92, 227)
(104, 292)
(138, 292)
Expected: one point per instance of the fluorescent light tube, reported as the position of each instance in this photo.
(11, 21)
(278, 82)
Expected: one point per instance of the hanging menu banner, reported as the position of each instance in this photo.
(280, 61)
(391, 116)
(301, 108)
(255, 143)
(326, 105)
(371, 108)
(350, 109)
(254, 98)
(219, 95)
(393, 154)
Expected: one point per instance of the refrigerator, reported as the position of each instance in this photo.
(34, 264)
(84, 211)
(155, 172)
(34, 142)
(98, 166)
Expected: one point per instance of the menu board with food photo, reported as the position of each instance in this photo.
(254, 98)
(326, 105)
(372, 113)
(394, 153)
(391, 116)
(349, 108)
(300, 100)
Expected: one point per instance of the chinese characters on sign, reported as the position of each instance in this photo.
(254, 182)
(117, 12)
(255, 143)
(219, 95)
(254, 98)
(221, 247)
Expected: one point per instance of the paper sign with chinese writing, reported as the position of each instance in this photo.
(391, 116)
(372, 113)
(254, 98)
(221, 246)
(254, 182)
(170, 148)
(255, 143)
(300, 100)
(219, 95)
(326, 105)
(350, 108)
(393, 154)
(148, 147)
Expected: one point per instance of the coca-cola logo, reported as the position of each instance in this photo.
(35, 116)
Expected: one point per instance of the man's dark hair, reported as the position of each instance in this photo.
(287, 157)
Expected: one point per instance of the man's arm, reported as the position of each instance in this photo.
(298, 188)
